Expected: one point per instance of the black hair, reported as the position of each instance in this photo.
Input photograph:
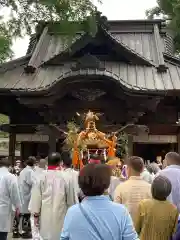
(94, 179)
(161, 188)
(66, 158)
(31, 161)
(54, 159)
(4, 162)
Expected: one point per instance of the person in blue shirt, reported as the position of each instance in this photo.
(97, 218)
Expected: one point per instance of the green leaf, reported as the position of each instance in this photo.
(168, 9)
(5, 44)
(25, 14)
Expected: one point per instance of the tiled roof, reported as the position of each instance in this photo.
(22, 61)
(131, 54)
(49, 46)
(119, 41)
(142, 45)
(131, 77)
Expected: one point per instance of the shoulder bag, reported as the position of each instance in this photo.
(90, 221)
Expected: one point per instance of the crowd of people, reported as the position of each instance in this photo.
(113, 200)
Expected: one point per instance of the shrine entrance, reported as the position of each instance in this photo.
(152, 151)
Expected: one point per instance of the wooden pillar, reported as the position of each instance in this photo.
(130, 145)
(23, 151)
(27, 149)
(52, 142)
(172, 147)
(178, 141)
(12, 147)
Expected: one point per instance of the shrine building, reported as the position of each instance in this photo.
(127, 71)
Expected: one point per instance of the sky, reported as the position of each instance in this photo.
(113, 9)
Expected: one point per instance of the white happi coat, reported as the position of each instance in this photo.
(71, 179)
(115, 181)
(50, 199)
(38, 172)
(9, 195)
(25, 180)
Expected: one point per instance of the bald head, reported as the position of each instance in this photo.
(42, 163)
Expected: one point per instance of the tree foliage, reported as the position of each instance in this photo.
(5, 44)
(4, 119)
(71, 136)
(25, 14)
(170, 11)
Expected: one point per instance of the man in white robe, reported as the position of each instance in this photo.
(26, 180)
(40, 169)
(71, 179)
(49, 200)
(9, 196)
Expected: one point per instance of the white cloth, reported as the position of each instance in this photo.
(72, 186)
(113, 184)
(146, 176)
(49, 199)
(25, 180)
(9, 195)
(35, 230)
(38, 172)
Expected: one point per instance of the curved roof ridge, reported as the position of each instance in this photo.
(89, 72)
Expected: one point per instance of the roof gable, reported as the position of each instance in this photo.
(87, 61)
(140, 42)
(118, 49)
(134, 53)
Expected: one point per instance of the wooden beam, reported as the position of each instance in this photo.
(161, 139)
(12, 147)
(35, 61)
(158, 43)
(178, 141)
(52, 141)
(130, 145)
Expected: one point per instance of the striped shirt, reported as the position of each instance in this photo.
(131, 192)
(173, 174)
